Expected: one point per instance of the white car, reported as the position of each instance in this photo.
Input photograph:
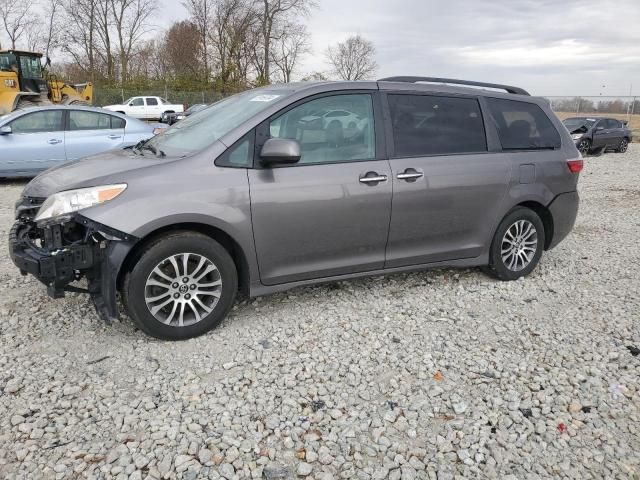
(351, 123)
(146, 108)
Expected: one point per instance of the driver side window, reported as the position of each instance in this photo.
(137, 102)
(326, 137)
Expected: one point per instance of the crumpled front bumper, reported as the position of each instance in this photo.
(45, 252)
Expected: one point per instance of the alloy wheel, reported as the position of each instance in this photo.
(183, 289)
(623, 145)
(519, 245)
(583, 147)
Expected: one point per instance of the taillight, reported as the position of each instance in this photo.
(575, 166)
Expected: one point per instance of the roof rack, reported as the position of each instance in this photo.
(453, 81)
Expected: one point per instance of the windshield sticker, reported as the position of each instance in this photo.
(591, 119)
(264, 98)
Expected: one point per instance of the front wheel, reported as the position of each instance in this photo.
(584, 146)
(517, 245)
(182, 286)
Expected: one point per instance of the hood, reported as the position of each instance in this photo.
(88, 172)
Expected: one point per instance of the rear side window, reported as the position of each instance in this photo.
(118, 123)
(152, 101)
(523, 125)
(82, 120)
(612, 123)
(434, 125)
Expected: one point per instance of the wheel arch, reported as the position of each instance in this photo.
(546, 217)
(238, 255)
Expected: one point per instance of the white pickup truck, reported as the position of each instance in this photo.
(146, 108)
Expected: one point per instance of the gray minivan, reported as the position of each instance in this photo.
(297, 184)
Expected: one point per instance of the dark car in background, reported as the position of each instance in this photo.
(598, 134)
(172, 117)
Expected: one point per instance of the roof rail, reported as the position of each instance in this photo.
(453, 81)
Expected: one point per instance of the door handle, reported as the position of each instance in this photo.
(114, 137)
(54, 141)
(371, 178)
(410, 175)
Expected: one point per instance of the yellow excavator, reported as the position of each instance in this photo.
(25, 83)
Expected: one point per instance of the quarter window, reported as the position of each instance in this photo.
(523, 125)
(81, 120)
(326, 139)
(45, 121)
(434, 125)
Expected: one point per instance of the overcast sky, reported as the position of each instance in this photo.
(549, 47)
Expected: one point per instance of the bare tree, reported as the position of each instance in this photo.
(271, 13)
(16, 17)
(80, 34)
(131, 22)
(353, 59)
(233, 21)
(201, 12)
(291, 44)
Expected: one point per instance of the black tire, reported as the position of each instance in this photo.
(584, 146)
(497, 266)
(624, 144)
(135, 284)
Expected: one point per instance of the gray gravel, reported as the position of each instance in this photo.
(443, 374)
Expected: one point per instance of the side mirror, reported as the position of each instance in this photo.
(6, 130)
(280, 151)
(131, 104)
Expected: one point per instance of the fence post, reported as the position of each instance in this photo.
(578, 106)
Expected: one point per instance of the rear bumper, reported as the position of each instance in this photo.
(58, 263)
(564, 210)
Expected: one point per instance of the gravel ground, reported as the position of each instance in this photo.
(442, 374)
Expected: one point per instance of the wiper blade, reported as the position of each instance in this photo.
(137, 146)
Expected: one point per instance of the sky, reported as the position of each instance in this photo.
(549, 47)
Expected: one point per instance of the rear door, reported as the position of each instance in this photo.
(329, 214)
(89, 133)
(35, 144)
(615, 132)
(447, 186)
(154, 109)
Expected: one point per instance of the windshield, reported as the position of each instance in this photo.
(30, 67)
(574, 123)
(205, 127)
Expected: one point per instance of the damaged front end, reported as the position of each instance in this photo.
(64, 249)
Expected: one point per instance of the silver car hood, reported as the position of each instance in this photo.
(90, 171)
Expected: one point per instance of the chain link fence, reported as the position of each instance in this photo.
(116, 96)
(625, 108)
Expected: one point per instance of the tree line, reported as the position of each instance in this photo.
(226, 45)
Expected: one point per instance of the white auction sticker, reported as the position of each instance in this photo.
(264, 98)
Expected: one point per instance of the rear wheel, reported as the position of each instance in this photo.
(182, 286)
(517, 245)
(623, 146)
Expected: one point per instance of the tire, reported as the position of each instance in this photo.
(145, 290)
(503, 263)
(584, 147)
(624, 144)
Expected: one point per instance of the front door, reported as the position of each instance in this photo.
(329, 214)
(446, 187)
(36, 142)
